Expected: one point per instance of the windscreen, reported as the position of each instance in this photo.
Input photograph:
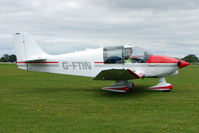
(135, 55)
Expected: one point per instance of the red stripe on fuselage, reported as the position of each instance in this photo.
(99, 62)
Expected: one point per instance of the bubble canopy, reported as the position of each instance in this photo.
(125, 54)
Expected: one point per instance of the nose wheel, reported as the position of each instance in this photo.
(120, 86)
(162, 86)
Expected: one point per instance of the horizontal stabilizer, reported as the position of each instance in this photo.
(35, 59)
(119, 74)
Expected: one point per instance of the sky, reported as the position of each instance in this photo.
(163, 27)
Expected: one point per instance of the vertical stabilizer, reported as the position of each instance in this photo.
(26, 48)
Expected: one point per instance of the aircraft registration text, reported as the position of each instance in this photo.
(77, 65)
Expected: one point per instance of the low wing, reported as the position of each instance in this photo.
(119, 74)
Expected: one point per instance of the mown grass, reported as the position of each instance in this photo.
(42, 102)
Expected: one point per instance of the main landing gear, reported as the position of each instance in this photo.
(120, 86)
(162, 86)
(125, 86)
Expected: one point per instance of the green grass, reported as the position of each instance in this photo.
(42, 102)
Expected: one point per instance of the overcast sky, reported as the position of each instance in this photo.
(163, 27)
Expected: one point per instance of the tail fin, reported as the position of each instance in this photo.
(26, 48)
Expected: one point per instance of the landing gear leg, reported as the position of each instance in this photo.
(162, 86)
(120, 86)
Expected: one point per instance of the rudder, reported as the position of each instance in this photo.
(26, 47)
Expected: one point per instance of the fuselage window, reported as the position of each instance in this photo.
(113, 55)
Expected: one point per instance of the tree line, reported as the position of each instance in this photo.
(191, 58)
(8, 58)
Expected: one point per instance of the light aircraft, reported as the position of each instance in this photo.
(119, 63)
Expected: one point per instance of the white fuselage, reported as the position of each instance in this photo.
(90, 62)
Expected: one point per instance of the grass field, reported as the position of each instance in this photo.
(32, 102)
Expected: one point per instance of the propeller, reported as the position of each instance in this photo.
(182, 63)
(179, 63)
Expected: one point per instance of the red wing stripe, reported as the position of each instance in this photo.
(37, 62)
(133, 73)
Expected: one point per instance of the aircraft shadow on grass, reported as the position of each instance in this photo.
(138, 91)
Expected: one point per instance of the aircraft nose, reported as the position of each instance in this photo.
(161, 59)
(166, 59)
(182, 64)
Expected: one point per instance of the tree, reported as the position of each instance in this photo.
(12, 58)
(6, 57)
(2, 59)
(190, 58)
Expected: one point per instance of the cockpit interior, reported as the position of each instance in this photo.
(125, 54)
